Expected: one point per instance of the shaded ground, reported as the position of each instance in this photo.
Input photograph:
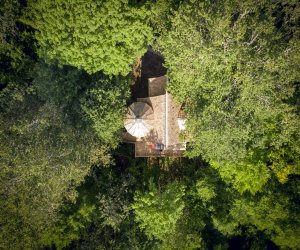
(151, 66)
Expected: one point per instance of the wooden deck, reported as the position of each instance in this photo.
(143, 150)
(165, 128)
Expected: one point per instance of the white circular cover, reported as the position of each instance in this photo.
(137, 120)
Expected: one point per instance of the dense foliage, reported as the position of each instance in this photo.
(67, 181)
(90, 35)
(235, 66)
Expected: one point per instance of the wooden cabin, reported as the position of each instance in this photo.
(154, 123)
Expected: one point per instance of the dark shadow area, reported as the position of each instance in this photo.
(243, 243)
(151, 66)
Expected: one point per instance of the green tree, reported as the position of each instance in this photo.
(59, 85)
(104, 104)
(244, 176)
(12, 39)
(16, 45)
(234, 64)
(205, 191)
(113, 202)
(91, 35)
(158, 212)
(161, 14)
(97, 99)
(44, 157)
(272, 213)
(69, 227)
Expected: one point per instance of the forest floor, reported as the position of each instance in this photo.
(151, 65)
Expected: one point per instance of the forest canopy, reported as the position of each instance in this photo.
(67, 73)
(90, 35)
